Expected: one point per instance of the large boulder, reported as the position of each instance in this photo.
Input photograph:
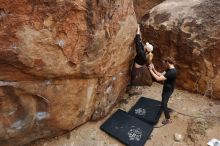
(62, 63)
(189, 31)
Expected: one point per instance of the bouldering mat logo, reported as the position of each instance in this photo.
(140, 111)
(134, 134)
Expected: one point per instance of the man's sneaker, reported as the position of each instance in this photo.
(167, 121)
(170, 110)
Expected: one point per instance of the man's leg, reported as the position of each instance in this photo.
(165, 99)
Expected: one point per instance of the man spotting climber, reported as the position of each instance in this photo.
(169, 78)
(140, 74)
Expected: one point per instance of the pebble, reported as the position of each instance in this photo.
(178, 137)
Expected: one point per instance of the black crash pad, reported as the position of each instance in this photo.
(147, 109)
(129, 130)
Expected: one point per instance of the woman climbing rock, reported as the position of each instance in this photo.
(140, 74)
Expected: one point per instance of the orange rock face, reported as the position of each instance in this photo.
(62, 62)
(190, 32)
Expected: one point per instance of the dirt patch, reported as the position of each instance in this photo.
(195, 119)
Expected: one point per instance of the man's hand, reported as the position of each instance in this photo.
(155, 74)
(151, 66)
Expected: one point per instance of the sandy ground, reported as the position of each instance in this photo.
(194, 131)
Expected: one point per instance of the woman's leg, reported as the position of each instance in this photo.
(136, 76)
(133, 75)
(146, 78)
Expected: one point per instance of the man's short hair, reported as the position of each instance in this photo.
(170, 60)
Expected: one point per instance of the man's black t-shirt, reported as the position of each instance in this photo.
(170, 76)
